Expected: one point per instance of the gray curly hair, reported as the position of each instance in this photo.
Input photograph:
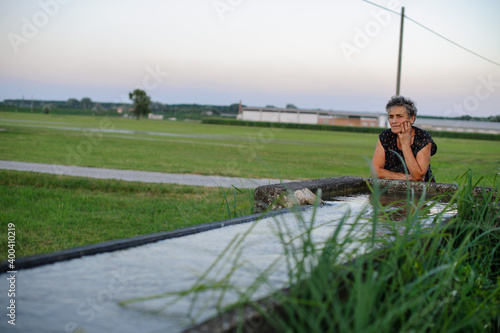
(410, 106)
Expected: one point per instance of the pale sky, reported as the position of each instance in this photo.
(329, 54)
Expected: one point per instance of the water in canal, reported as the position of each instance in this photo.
(87, 294)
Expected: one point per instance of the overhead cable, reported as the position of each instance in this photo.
(435, 33)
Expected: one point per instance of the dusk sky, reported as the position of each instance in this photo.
(328, 54)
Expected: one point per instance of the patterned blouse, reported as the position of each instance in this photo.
(390, 144)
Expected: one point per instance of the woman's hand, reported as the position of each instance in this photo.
(405, 134)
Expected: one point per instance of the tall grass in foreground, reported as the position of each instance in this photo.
(439, 278)
(443, 279)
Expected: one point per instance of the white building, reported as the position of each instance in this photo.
(340, 118)
(155, 116)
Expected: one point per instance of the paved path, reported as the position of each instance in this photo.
(141, 176)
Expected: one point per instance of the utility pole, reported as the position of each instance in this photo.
(398, 83)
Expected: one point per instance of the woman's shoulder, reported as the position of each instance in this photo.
(419, 131)
(425, 138)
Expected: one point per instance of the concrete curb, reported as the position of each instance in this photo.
(121, 244)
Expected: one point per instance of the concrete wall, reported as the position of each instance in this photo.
(277, 196)
(155, 116)
(282, 117)
(369, 122)
(313, 117)
(260, 116)
(302, 118)
(325, 120)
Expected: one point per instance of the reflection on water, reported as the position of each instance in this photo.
(395, 209)
(398, 206)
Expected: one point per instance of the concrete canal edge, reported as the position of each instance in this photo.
(268, 201)
(270, 197)
(125, 243)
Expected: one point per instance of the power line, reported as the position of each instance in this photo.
(377, 5)
(435, 33)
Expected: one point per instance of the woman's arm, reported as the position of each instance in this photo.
(378, 163)
(417, 166)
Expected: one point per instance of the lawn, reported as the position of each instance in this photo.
(189, 147)
(54, 212)
(57, 212)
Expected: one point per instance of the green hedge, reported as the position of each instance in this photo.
(435, 134)
(221, 121)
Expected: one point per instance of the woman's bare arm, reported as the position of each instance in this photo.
(378, 163)
(417, 166)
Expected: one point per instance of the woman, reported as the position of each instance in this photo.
(411, 143)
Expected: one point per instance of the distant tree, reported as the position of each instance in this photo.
(142, 102)
(97, 108)
(73, 103)
(270, 106)
(234, 108)
(86, 102)
(157, 107)
(290, 106)
(46, 108)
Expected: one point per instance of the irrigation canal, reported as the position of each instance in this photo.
(87, 294)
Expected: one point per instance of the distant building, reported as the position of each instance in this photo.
(455, 125)
(155, 116)
(339, 118)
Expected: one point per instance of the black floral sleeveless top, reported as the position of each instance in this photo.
(390, 144)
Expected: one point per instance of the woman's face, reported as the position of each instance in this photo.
(397, 116)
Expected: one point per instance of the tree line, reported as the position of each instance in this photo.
(141, 105)
(86, 106)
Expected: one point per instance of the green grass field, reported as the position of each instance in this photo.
(185, 147)
(57, 212)
(54, 212)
